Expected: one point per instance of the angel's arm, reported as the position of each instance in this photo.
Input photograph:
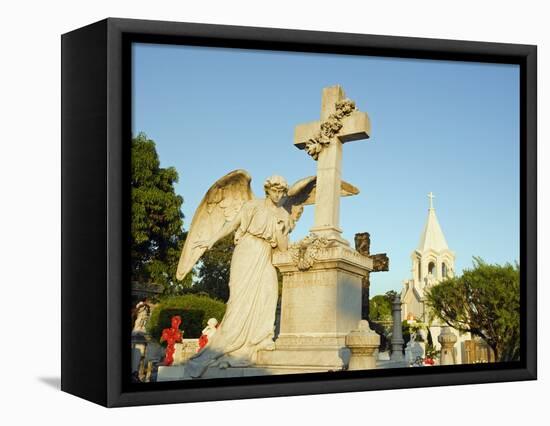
(295, 214)
(285, 227)
(282, 241)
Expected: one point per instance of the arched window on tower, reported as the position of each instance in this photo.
(419, 268)
(431, 268)
(444, 270)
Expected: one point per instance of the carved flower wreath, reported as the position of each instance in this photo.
(329, 128)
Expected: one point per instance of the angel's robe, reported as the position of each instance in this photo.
(248, 323)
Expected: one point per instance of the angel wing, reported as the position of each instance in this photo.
(220, 204)
(303, 192)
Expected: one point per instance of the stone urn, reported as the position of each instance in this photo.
(447, 339)
(362, 343)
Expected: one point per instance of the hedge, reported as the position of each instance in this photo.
(194, 310)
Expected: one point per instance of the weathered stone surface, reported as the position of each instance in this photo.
(380, 262)
(365, 296)
(362, 243)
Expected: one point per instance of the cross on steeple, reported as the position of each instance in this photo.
(431, 196)
(340, 123)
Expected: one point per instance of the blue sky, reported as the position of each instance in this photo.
(442, 126)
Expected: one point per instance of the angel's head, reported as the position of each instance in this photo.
(275, 188)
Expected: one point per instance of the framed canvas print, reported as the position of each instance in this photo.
(253, 212)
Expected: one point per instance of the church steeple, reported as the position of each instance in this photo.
(432, 260)
(432, 236)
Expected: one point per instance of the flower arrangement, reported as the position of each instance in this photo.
(429, 361)
(172, 336)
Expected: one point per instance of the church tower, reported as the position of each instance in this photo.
(432, 261)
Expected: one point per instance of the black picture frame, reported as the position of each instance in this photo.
(96, 89)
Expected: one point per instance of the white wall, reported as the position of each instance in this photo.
(30, 206)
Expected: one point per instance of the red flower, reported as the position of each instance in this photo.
(203, 340)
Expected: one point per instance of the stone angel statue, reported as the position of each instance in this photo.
(260, 226)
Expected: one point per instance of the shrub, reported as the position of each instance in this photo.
(194, 310)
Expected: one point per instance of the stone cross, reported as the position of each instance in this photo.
(380, 262)
(323, 140)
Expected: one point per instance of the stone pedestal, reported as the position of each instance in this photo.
(321, 304)
(460, 348)
(363, 343)
(447, 339)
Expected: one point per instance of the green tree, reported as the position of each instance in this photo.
(213, 269)
(380, 307)
(484, 301)
(157, 234)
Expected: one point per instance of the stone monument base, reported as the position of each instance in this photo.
(177, 372)
(319, 352)
(321, 304)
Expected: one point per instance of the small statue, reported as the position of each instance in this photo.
(172, 336)
(143, 312)
(208, 332)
